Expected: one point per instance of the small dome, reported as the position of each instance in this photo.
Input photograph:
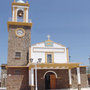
(20, 1)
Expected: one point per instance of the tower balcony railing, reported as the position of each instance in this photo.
(20, 20)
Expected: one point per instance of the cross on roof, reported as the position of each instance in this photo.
(48, 36)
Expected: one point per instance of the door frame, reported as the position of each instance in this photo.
(51, 73)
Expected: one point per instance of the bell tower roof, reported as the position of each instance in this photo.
(20, 1)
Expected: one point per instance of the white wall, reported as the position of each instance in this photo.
(38, 51)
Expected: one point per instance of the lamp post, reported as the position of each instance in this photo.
(39, 61)
(89, 65)
(89, 60)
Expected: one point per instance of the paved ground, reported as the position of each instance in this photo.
(72, 89)
(57, 89)
(77, 89)
(2, 88)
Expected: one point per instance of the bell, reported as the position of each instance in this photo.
(20, 13)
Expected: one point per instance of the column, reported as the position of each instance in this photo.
(32, 79)
(29, 77)
(70, 78)
(78, 78)
(67, 55)
(15, 14)
(27, 15)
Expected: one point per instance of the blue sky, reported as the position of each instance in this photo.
(66, 21)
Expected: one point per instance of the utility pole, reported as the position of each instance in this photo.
(69, 55)
(89, 65)
(89, 60)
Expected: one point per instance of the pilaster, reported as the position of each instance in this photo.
(79, 78)
(70, 78)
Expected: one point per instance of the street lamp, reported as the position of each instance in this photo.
(89, 60)
(31, 60)
(89, 65)
(39, 61)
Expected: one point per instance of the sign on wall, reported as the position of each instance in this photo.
(49, 44)
(42, 49)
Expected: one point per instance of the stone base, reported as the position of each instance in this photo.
(32, 88)
(17, 81)
(70, 86)
(79, 86)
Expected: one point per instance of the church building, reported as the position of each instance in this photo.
(42, 66)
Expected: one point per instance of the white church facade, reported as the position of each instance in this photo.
(57, 52)
(54, 71)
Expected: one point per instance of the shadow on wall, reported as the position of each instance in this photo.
(25, 81)
(18, 79)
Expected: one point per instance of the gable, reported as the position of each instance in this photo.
(41, 50)
(48, 44)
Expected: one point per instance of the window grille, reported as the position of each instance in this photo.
(18, 55)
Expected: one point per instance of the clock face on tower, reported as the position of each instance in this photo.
(20, 32)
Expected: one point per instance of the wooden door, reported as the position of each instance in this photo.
(52, 82)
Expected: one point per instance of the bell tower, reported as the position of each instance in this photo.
(19, 29)
(20, 11)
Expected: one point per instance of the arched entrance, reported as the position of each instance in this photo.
(50, 81)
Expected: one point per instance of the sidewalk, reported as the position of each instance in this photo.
(2, 88)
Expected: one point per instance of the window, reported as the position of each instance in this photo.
(49, 58)
(18, 55)
(17, 72)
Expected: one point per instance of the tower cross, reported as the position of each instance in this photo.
(48, 37)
